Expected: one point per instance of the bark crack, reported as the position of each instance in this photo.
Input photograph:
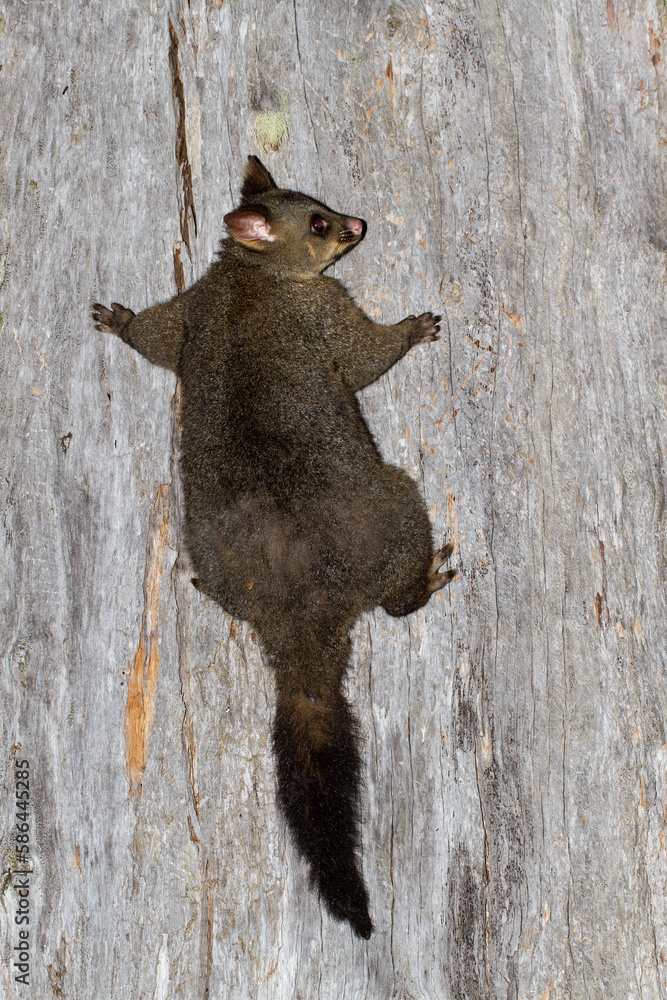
(487, 865)
(393, 888)
(182, 157)
(305, 96)
(181, 584)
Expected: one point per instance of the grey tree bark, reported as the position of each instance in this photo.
(510, 162)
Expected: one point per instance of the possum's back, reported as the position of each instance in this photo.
(264, 405)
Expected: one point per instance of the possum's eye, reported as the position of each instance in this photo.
(318, 225)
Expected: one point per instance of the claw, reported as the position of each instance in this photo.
(112, 320)
(439, 580)
(425, 328)
(440, 557)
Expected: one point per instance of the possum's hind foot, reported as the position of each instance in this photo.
(436, 580)
(416, 593)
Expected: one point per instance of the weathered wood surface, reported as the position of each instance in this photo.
(509, 160)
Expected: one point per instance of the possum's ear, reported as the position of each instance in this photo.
(248, 227)
(256, 179)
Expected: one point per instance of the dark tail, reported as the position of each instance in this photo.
(315, 743)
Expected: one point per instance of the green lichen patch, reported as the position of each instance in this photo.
(271, 126)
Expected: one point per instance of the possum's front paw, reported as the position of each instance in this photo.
(112, 320)
(423, 329)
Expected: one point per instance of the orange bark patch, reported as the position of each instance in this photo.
(513, 317)
(612, 23)
(655, 45)
(389, 73)
(142, 679)
(77, 859)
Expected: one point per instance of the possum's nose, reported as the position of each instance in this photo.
(357, 226)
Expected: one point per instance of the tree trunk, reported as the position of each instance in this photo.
(509, 162)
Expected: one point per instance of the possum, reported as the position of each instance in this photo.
(292, 520)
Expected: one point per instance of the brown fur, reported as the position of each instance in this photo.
(292, 520)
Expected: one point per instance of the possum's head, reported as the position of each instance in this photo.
(296, 235)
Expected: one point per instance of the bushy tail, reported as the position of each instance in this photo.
(315, 743)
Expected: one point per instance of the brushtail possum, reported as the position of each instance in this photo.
(292, 520)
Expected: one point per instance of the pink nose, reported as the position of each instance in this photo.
(355, 225)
